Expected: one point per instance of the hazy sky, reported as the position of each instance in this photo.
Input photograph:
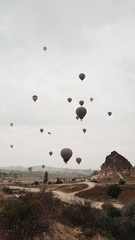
(96, 37)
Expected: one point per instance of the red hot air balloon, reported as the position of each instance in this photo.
(78, 160)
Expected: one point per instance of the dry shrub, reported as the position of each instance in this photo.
(26, 217)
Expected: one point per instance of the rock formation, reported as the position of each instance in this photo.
(114, 168)
(116, 162)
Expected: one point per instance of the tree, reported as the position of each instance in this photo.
(113, 190)
(46, 177)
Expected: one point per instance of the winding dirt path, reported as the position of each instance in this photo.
(69, 197)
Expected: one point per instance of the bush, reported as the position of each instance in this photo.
(113, 190)
(7, 190)
(80, 213)
(36, 183)
(121, 182)
(24, 218)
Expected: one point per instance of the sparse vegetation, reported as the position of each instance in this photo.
(113, 190)
(26, 217)
(7, 190)
(122, 182)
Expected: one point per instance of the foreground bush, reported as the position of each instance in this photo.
(113, 190)
(25, 217)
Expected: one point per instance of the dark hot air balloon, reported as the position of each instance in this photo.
(82, 76)
(43, 166)
(81, 102)
(44, 48)
(69, 100)
(81, 112)
(109, 113)
(41, 130)
(50, 153)
(84, 130)
(11, 146)
(30, 169)
(34, 97)
(91, 99)
(66, 154)
(11, 124)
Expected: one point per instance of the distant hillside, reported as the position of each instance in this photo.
(59, 171)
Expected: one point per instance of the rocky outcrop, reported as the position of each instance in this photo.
(114, 168)
(118, 163)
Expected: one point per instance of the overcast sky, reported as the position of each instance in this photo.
(95, 37)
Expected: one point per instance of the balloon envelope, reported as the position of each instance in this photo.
(66, 154)
(43, 166)
(11, 146)
(11, 124)
(91, 99)
(69, 100)
(50, 153)
(30, 169)
(34, 97)
(81, 102)
(84, 130)
(81, 112)
(44, 48)
(41, 130)
(109, 113)
(49, 133)
(78, 160)
(82, 76)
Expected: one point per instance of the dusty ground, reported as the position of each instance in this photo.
(62, 232)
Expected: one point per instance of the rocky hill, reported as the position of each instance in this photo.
(114, 168)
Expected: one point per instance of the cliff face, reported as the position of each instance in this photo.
(116, 162)
(114, 168)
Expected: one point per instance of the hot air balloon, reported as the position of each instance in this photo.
(81, 102)
(81, 112)
(49, 133)
(43, 166)
(78, 160)
(109, 113)
(11, 146)
(11, 124)
(66, 154)
(34, 97)
(50, 153)
(44, 48)
(84, 130)
(82, 76)
(41, 130)
(91, 99)
(69, 100)
(30, 169)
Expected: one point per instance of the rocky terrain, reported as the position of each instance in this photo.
(114, 168)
